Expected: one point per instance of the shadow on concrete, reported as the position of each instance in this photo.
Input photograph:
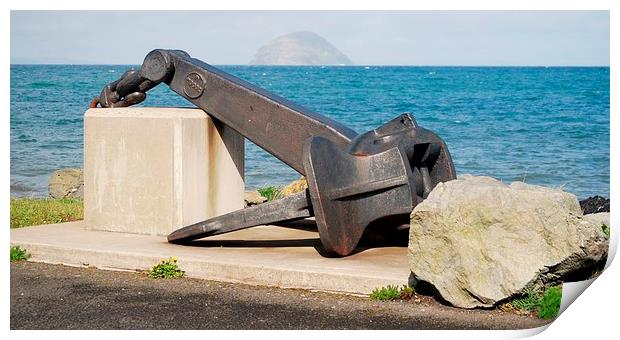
(305, 242)
(369, 241)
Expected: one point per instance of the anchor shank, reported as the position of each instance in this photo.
(273, 123)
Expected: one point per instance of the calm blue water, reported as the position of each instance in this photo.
(547, 126)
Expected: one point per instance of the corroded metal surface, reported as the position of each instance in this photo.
(357, 183)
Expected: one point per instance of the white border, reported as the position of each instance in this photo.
(317, 5)
(592, 315)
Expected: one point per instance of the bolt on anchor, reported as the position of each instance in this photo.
(357, 183)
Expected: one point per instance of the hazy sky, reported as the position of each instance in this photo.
(403, 37)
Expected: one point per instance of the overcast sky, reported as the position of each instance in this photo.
(404, 37)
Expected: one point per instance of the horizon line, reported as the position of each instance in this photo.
(316, 65)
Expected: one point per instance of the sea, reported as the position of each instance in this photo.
(540, 125)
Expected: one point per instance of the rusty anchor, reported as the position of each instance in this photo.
(357, 183)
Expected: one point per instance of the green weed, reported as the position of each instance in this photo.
(545, 303)
(166, 269)
(19, 254)
(406, 292)
(270, 192)
(392, 293)
(550, 304)
(529, 301)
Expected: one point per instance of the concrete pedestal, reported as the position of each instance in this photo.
(154, 170)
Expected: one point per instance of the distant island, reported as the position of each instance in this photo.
(300, 48)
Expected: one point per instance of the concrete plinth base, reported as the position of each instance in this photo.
(155, 170)
(266, 255)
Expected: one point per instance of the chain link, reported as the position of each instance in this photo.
(129, 89)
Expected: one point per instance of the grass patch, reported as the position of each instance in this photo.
(529, 301)
(392, 293)
(550, 304)
(19, 254)
(385, 293)
(544, 303)
(166, 269)
(270, 192)
(34, 211)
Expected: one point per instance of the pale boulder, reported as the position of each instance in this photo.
(295, 186)
(478, 241)
(66, 183)
(601, 219)
(253, 198)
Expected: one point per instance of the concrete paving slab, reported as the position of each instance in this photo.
(265, 255)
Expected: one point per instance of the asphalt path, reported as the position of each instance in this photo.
(45, 296)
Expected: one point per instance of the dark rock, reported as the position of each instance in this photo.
(593, 205)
